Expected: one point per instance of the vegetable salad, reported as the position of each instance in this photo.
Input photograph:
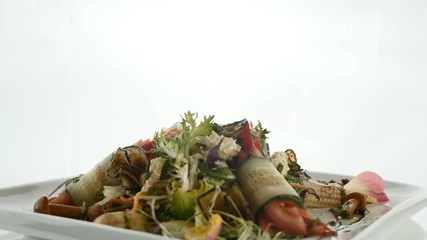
(202, 180)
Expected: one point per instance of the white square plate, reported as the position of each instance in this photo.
(16, 204)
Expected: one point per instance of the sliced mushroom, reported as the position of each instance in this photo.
(292, 160)
(42, 205)
(66, 211)
(353, 202)
(291, 155)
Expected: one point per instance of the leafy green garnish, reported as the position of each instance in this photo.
(192, 130)
(219, 173)
(175, 148)
(182, 205)
(258, 131)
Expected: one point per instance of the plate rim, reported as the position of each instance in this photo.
(394, 218)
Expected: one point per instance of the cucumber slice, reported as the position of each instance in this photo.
(262, 183)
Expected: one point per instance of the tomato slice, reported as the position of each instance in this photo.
(147, 145)
(288, 217)
(284, 215)
(246, 138)
(257, 144)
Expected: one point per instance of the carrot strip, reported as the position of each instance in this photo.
(126, 200)
(136, 199)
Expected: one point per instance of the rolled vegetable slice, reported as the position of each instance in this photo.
(122, 167)
(274, 203)
(88, 187)
(261, 183)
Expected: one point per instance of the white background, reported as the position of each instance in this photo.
(343, 83)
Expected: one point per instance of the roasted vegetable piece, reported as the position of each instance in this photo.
(124, 219)
(124, 166)
(129, 163)
(208, 232)
(316, 194)
(333, 194)
(42, 205)
(88, 187)
(326, 195)
(225, 200)
(237, 199)
(275, 204)
(353, 202)
(230, 130)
